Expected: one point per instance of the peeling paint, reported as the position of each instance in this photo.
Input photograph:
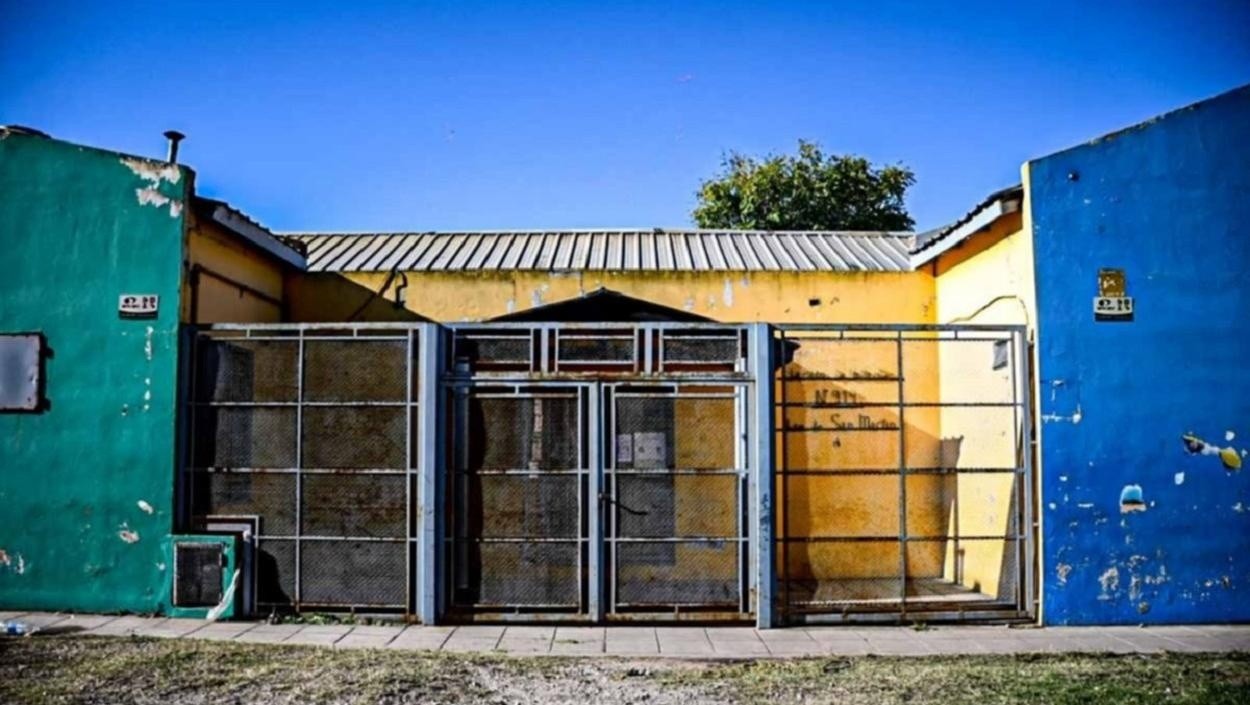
(125, 533)
(1179, 478)
(1131, 499)
(727, 295)
(152, 171)
(147, 344)
(1062, 571)
(1075, 418)
(147, 508)
(1229, 436)
(536, 296)
(1110, 582)
(1229, 456)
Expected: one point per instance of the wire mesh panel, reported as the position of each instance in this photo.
(903, 483)
(517, 533)
(676, 483)
(309, 430)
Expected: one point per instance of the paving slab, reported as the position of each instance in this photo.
(327, 629)
(122, 626)
(899, 647)
(83, 622)
(269, 633)
(474, 638)
(529, 632)
(391, 630)
(528, 647)
(631, 648)
(43, 620)
(631, 641)
(421, 638)
(671, 641)
(170, 627)
(737, 645)
(480, 631)
(591, 647)
(365, 640)
(579, 634)
(684, 641)
(222, 631)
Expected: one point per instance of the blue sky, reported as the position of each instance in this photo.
(428, 116)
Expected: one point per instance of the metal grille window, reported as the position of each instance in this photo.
(310, 430)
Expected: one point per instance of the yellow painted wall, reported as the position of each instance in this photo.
(321, 297)
(776, 297)
(840, 454)
(221, 256)
(988, 279)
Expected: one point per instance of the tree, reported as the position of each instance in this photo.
(807, 191)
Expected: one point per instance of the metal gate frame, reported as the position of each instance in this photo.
(429, 414)
(300, 336)
(1024, 604)
(611, 474)
(545, 364)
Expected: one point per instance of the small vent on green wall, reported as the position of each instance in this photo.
(197, 574)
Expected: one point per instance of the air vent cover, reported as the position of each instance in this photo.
(198, 574)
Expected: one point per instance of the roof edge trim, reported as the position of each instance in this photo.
(999, 205)
(237, 223)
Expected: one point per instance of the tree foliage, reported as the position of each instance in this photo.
(807, 191)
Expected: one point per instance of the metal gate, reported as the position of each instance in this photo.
(598, 473)
(905, 475)
(305, 435)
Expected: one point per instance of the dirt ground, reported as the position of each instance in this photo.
(99, 670)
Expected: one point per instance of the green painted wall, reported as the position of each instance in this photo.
(86, 486)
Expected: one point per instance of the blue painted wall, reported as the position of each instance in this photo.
(1168, 202)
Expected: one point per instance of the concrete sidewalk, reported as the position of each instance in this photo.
(671, 642)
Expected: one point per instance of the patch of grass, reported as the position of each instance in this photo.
(138, 670)
(1054, 680)
(68, 669)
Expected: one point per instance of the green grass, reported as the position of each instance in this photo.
(68, 669)
(983, 680)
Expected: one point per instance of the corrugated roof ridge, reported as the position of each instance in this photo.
(580, 231)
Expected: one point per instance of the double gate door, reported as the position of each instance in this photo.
(595, 501)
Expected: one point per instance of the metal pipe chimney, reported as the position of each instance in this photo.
(174, 138)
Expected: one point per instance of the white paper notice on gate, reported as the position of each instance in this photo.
(624, 449)
(650, 450)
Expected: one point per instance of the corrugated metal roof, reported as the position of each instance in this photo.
(614, 250)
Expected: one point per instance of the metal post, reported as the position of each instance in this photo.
(594, 503)
(763, 467)
(1022, 368)
(902, 487)
(430, 466)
